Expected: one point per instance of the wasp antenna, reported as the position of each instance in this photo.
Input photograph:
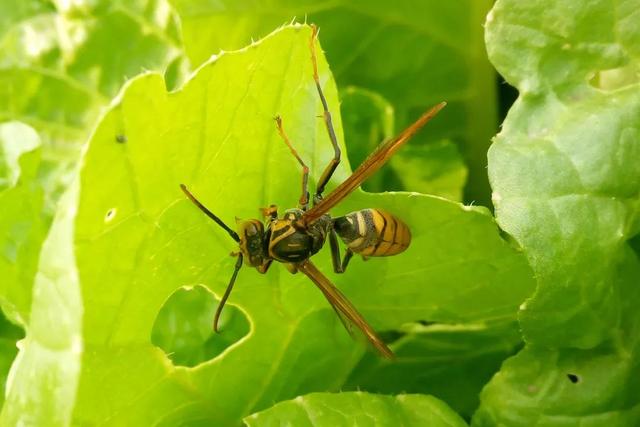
(210, 214)
(227, 292)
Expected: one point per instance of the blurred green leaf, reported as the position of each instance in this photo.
(435, 168)
(450, 362)
(414, 54)
(138, 240)
(368, 120)
(566, 182)
(348, 409)
(44, 376)
(22, 222)
(61, 63)
(58, 67)
(22, 230)
(9, 335)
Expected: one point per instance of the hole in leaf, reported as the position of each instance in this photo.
(573, 378)
(111, 213)
(183, 328)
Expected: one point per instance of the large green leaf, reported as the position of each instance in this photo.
(566, 182)
(450, 362)
(22, 223)
(43, 380)
(362, 409)
(22, 230)
(138, 239)
(61, 63)
(413, 53)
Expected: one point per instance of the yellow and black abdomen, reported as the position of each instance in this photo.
(372, 232)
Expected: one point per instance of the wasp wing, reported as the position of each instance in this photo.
(371, 164)
(346, 311)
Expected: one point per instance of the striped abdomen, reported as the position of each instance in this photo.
(372, 232)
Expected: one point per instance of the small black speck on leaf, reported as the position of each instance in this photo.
(121, 138)
(426, 322)
(573, 378)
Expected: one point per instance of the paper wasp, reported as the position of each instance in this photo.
(301, 232)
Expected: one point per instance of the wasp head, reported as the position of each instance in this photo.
(251, 233)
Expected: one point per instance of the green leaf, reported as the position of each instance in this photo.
(450, 362)
(9, 335)
(348, 409)
(568, 192)
(368, 119)
(60, 64)
(22, 230)
(22, 223)
(566, 182)
(138, 239)
(435, 168)
(414, 54)
(183, 327)
(58, 67)
(44, 377)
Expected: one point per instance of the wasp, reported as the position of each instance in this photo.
(294, 237)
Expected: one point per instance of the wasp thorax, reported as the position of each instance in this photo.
(251, 233)
(292, 214)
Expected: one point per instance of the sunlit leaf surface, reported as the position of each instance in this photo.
(566, 182)
(137, 240)
(348, 409)
(413, 53)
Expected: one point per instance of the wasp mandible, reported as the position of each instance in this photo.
(301, 232)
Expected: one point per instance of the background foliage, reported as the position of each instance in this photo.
(110, 277)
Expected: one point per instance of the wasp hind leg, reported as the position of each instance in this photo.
(291, 267)
(338, 267)
(303, 203)
(262, 269)
(333, 164)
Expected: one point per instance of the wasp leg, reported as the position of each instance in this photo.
(335, 252)
(304, 198)
(270, 212)
(262, 269)
(292, 268)
(227, 292)
(331, 167)
(347, 257)
(338, 267)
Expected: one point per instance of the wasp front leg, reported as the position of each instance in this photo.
(333, 164)
(270, 213)
(304, 198)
